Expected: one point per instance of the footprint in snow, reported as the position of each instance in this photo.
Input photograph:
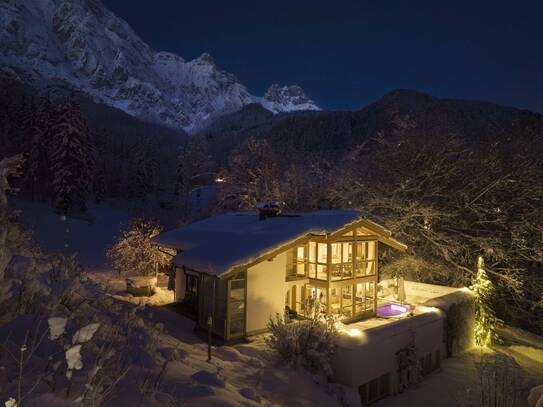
(250, 394)
(208, 378)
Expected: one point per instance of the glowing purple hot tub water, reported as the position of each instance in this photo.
(392, 310)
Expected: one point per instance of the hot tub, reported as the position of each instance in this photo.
(392, 310)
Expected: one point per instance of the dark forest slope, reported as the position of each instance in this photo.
(331, 134)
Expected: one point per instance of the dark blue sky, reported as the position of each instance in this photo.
(346, 54)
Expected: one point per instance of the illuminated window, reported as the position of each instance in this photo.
(347, 301)
(296, 263)
(365, 259)
(365, 297)
(321, 253)
(318, 260)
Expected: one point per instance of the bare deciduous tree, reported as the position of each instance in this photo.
(252, 175)
(134, 253)
(452, 200)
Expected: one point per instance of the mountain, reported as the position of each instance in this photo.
(333, 134)
(286, 99)
(82, 45)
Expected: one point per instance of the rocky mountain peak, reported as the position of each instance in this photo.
(287, 98)
(84, 46)
(206, 59)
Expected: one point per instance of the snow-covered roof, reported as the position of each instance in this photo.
(220, 243)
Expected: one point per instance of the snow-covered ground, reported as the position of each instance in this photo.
(245, 374)
(242, 375)
(88, 236)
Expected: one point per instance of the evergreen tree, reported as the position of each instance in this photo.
(38, 166)
(145, 170)
(195, 168)
(486, 321)
(72, 159)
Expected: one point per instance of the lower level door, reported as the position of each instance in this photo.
(236, 308)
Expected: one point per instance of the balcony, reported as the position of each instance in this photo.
(295, 276)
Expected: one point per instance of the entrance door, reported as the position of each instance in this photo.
(191, 292)
(236, 308)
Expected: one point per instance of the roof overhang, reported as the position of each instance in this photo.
(382, 234)
(374, 231)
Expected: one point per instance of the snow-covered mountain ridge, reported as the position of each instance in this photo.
(83, 45)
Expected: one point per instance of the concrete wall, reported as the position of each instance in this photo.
(266, 289)
(372, 354)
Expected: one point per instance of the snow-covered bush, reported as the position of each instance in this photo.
(134, 253)
(309, 343)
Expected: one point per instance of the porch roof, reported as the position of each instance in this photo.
(218, 244)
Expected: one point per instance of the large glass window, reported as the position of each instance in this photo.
(318, 260)
(322, 251)
(315, 295)
(312, 252)
(312, 257)
(236, 307)
(365, 259)
(342, 260)
(351, 300)
(336, 260)
(347, 301)
(365, 297)
(347, 260)
(300, 261)
(296, 263)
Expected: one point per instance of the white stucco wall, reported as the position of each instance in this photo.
(179, 285)
(266, 289)
(361, 359)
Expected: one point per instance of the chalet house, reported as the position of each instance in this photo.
(235, 270)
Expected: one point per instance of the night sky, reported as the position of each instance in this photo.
(346, 54)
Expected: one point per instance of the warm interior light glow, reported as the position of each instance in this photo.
(353, 332)
(397, 307)
(424, 309)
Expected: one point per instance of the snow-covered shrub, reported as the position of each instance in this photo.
(309, 343)
(133, 253)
